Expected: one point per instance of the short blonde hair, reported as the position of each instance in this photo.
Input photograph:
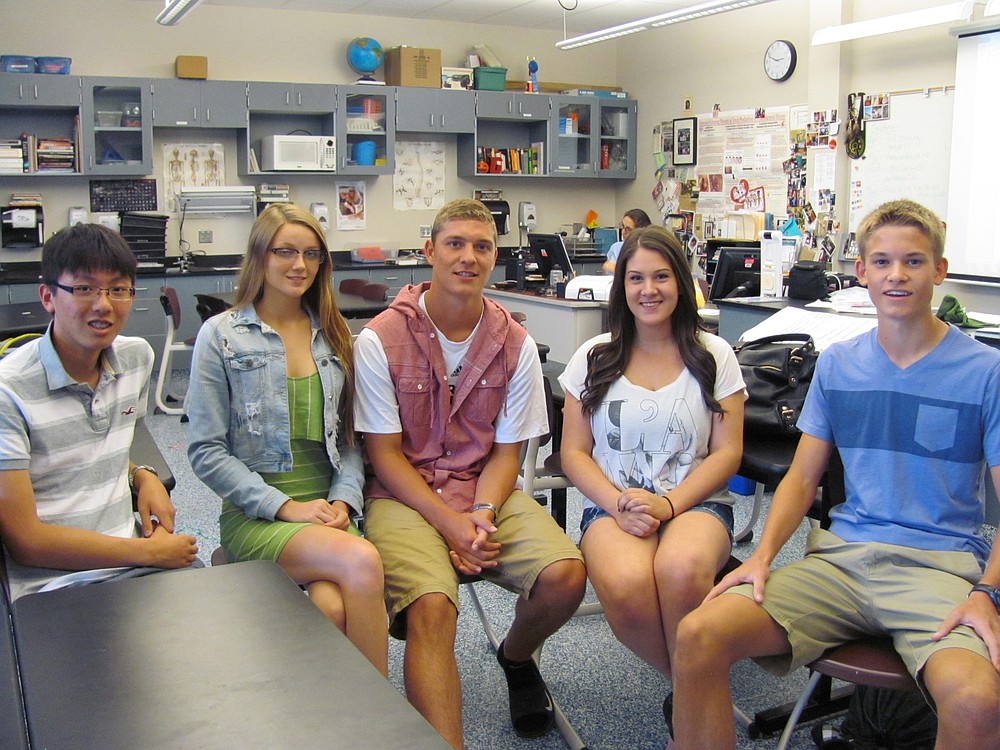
(459, 209)
(903, 213)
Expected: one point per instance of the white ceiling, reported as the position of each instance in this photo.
(580, 16)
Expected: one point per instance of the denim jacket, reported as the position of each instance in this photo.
(237, 404)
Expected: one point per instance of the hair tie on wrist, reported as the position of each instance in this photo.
(672, 511)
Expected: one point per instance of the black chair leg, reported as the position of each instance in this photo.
(825, 702)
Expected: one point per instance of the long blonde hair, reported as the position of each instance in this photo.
(318, 298)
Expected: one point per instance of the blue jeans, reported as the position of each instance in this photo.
(720, 510)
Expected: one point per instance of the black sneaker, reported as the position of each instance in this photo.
(531, 710)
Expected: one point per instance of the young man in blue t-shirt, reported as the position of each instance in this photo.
(914, 409)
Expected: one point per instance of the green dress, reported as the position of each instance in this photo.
(246, 538)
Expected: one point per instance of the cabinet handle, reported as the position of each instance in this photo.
(20, 91)
(195, 110)
(432, 120)
(299, 97)
(288, 97)
(141, 309)
(510, 107)
(36, 90)
(442, 121)
(208, 114)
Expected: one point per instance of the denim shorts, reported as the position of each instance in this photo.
(722, 511)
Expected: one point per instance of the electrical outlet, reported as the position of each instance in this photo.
(205, 237)
(425, 231)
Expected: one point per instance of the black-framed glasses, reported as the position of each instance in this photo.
(289, 254)
(88, 292)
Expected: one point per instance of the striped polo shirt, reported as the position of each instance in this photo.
(73, 441)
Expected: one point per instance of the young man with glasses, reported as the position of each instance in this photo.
(69, 404)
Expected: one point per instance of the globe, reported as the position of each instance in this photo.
(364, 55)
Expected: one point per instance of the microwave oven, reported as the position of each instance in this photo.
(299, 153)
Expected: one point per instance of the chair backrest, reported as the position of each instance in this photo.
(352, 286)
(171, 306)
(375, 292)
(209, 305)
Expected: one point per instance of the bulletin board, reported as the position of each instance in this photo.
(906, 156)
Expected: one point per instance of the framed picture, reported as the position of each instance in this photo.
(686, 141)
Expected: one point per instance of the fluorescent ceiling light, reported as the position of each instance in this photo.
(916, 19)
(174, 11)
(664, 19)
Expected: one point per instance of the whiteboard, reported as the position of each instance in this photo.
(906, 156)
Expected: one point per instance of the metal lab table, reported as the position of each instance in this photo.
(215, 658)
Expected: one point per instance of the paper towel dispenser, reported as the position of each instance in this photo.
(501, 215)
(21, 226)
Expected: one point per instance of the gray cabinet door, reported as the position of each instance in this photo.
(618, 136)
(435, 111)
(501, 105)
(116, 139)
(36, 90)
(202, 104)
(291, 97)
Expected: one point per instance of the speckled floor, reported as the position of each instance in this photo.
(611, 697)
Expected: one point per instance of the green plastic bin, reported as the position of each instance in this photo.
(489, 79)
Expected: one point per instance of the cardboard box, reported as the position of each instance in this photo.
(413, 66)
(456, 78)
(191, 66)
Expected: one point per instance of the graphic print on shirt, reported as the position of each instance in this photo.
(644, 446)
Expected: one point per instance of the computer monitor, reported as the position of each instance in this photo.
(549, 251)
(737, 273)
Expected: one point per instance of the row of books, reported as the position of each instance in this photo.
(530, 160)
(29, 154)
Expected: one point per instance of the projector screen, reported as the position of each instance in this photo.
(973, 243)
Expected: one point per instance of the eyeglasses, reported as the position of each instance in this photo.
(290, 253)
(88, 292)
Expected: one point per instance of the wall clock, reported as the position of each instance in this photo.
(779, 60)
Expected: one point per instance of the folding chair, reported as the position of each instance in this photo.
(172, 310)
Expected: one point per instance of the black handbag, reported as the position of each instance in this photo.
(777, 371)
(807, 280)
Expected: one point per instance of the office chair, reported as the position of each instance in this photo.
(172, 310)
(352, 286)
(209, 305)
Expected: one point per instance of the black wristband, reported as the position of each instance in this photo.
(991, 591)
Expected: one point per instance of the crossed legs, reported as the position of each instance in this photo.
(343, 575)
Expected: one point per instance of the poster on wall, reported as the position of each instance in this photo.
(191, 165)
(350, 206)
(419, 181)
(741, 161)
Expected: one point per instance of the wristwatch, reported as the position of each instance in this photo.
(991, 591)
(134, 469)
(485, 506)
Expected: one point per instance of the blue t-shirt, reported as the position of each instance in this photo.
(913, 441)
(614, 251)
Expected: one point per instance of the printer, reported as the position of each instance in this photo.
(596, 288)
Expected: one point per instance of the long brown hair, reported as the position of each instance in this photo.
(606, 362)
(318, 298)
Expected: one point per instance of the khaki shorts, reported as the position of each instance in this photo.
(416, 560)
(842, 590)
